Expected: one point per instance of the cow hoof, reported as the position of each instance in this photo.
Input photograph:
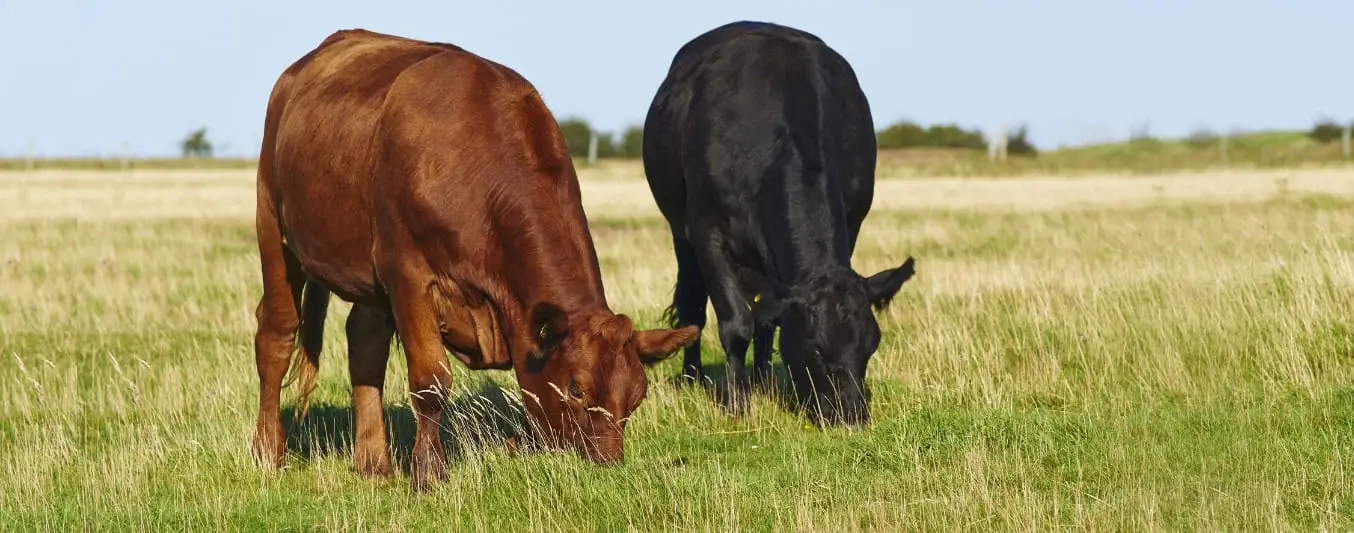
(693, 381)
(268, 451)
(422, 483)
(738, 401)
(371, 460)
(427, 473)
(373, 469)
(762, 381)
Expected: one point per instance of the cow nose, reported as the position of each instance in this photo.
(854, 416)
(854, 421)
(604, 451)
(606, 459)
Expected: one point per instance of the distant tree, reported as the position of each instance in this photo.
(953, 136)
(1142, 137)
(1018, 142)
(901, 135)
(606, 145)
(576, 133)
(196, 144)
(1326, 131)
(906, 134)
(632, 143)
(1202, 138)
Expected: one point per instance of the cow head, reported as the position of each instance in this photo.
(828, 334)
(585, 377)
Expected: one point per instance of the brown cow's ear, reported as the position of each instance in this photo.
(550, 327)
(658, 344)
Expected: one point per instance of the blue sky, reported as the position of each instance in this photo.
(83, 77)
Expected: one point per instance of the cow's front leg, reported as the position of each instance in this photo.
(735, 322)
(429, 375)
(762, 350)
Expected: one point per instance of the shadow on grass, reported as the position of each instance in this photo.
(778, 386)
(483, 417)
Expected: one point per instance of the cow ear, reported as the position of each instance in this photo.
(766, 297)
(885, 284)
(550, 326)
(655, 345)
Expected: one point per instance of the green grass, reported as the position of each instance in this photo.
(1259, 150)
(1164, 368)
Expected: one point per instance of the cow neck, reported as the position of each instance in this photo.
(808, 239)
(552, 261)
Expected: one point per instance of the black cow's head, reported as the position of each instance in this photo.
(827, 334)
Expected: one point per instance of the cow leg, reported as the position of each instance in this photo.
(370, 329)
(688, 303)
(735, 320)
(761, 353)
(429, 375)
(279, 317)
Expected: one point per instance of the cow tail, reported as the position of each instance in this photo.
(670, 315)
(305, 361)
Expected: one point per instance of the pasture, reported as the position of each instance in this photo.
(1104, 353)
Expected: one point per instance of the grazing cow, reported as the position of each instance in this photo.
(432, 189)
(760, 152)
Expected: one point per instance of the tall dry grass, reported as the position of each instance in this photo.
(1122, 354)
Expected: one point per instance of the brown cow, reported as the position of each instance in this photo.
(432, 189)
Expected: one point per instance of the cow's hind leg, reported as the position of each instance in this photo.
(279, 316)
(370, 329)
(688, 304)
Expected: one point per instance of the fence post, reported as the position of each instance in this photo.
(592, 148)
(996, 144)
(1345, 140)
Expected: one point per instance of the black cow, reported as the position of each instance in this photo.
(760, 152)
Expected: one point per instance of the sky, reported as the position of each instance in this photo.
(87, 77)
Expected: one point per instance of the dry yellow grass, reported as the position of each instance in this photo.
(616, 189)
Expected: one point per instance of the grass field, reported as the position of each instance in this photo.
(1100, 353)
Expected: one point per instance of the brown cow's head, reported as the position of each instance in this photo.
(586, 376)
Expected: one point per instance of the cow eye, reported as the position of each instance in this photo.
(574, 390)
